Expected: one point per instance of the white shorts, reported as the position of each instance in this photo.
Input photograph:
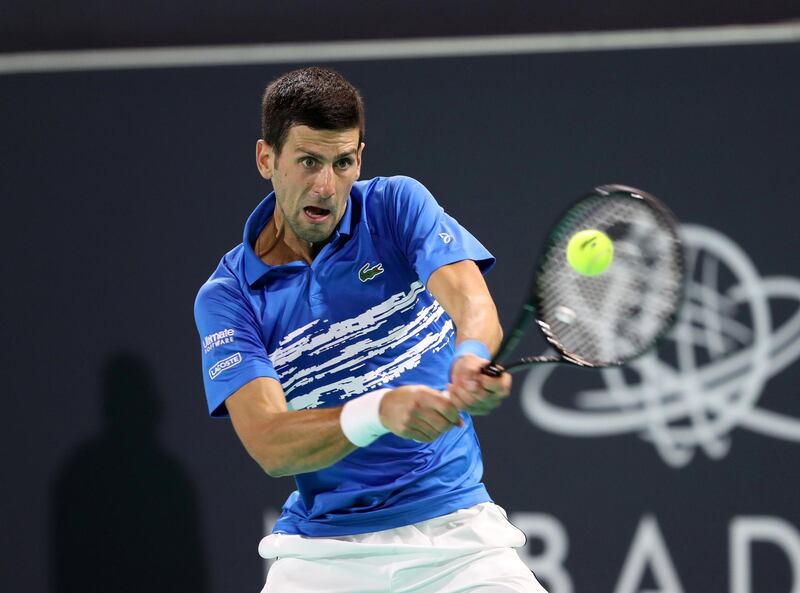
(470, 550)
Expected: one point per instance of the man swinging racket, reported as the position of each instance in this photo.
(344, 337)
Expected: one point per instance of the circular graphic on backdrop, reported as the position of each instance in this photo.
(707, 376)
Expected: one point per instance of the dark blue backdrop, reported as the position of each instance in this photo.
(122, 189)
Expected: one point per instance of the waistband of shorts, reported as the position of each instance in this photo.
(482, 526)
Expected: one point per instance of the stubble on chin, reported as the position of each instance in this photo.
(309, 235)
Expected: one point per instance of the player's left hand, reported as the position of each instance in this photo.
(473, 391)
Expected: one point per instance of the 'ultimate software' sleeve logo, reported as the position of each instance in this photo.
(219, 338)
(224, 364)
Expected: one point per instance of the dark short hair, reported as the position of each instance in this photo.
(315, 97)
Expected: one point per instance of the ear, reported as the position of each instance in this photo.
(358, 159)
(265, 159)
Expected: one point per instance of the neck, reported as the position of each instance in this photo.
(307, 251)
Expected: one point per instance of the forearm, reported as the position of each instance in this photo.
(462, 291)
(475, 318)
(289, 443)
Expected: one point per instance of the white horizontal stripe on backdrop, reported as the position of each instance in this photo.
(441, 47)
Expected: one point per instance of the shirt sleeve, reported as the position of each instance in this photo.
(428, 236)
(233, 352)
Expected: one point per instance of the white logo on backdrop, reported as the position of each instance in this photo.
(724, 349)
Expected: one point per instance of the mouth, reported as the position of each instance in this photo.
(316, 214)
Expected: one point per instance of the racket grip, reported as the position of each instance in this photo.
(493, 370)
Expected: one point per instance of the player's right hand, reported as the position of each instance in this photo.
(418, 412)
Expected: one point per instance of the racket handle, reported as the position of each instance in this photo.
(493, 370)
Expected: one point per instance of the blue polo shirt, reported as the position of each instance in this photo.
(357, 319)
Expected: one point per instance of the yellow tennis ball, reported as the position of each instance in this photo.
(590, 252)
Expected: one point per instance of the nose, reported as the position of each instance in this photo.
(325, 183)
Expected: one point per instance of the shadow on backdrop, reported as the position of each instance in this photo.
(123, 513)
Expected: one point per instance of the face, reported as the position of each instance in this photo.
(312, 178)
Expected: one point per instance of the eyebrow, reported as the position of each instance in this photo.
(319, 157)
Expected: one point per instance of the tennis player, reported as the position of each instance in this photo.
(344, 337)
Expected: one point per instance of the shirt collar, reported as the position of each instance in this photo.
(254, 268)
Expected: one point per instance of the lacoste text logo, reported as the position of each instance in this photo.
(368, 273)
(224, 364)
(446, 237)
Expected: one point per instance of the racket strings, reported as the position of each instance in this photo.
(612, 317)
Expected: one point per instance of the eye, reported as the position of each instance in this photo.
(344, 163)
(308, 162)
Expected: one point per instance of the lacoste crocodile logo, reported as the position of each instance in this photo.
(367, 273)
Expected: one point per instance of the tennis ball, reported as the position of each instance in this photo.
(590, 252)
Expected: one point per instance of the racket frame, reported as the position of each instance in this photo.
(528, 313)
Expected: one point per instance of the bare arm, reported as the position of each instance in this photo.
(283, 442)
(462, 291)
(287, 442)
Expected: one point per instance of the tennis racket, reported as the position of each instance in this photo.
(617, 315)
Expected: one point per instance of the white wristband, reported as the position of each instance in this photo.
(361, 418)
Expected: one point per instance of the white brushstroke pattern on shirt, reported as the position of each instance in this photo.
(355, 385)
(353, 355)
(343, 331)
(299, 331)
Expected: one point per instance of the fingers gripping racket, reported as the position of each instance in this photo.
(602, 318)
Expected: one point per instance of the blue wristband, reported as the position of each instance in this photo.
(475, 347)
